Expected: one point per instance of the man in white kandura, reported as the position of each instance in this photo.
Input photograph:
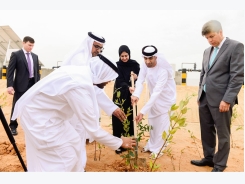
(90, 47)
(162, 88)
(45, 111)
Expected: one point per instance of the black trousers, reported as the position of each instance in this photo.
(17, 95)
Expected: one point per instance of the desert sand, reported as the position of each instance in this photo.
(184, 147)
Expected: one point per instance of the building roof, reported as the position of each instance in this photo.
(9, 37)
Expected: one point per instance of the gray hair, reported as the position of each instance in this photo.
(211, 26)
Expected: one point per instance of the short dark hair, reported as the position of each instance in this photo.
(211, 26)
(28, 39)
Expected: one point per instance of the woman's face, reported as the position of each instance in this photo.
(124, 57)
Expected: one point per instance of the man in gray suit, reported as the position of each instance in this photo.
(22, 73)
(221, 79)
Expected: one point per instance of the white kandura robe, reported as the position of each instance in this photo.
(105, 104)
(45, 111)
(162, 89)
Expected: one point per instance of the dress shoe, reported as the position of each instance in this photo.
(216, 170)
(202, 162)
(14, 131)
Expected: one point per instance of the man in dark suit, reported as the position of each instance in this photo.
(22, 73)
(221, 79)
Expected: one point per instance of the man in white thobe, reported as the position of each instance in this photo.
(158, 74)
(90, 47)
(45, 111)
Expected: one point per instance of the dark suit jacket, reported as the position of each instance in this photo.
(225, 76)
(17, 71)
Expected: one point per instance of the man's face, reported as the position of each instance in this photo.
(214, 38)
(102, 85)
(28, 46)
(150, 61)
(97, 48)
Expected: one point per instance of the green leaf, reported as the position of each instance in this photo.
(183, 111)
(164, 135)
(173, 130)
(128, 114)
(170, 138)
(181, 121)
(118, 94)
(186, 102)
(173, 118)
(174, 107)
(181, 104)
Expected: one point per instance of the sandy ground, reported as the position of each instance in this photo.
(183, 148)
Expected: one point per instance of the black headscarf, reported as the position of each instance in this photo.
(124, 48)
(125, 68)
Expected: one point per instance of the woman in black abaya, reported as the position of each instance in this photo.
(123, 83)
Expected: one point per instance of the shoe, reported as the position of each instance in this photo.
(87, 141)
(216, 170)
(14, 131)
(118, 151)
(122, 149)
(202, 162)
(153, 156)
(144, 150)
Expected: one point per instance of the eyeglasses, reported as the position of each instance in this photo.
(98, 47)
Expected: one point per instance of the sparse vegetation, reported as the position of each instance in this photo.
(177, 121)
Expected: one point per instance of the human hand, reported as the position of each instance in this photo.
(120, 114)
(224, 106)
(134, 75)
(10, 90)
(131, 89)
(134, 100)
(138, 118)
(198, 103)
(128, 142)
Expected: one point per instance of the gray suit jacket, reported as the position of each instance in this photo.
(225, 77)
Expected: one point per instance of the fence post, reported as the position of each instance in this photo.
(4, 72)
(184, 74)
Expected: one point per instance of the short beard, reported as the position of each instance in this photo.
(101, 86)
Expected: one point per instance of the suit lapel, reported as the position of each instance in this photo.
(24, 58)
(34, 61)
(208, 58)
(222, 49)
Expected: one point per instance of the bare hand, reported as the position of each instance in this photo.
(138, 118)
(128, 142)
(10, 90)
(134, 75)
(198, 103)
(131, 89)
(134, 100)
(120, 114)
(224, 106)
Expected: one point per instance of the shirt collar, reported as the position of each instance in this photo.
(221, 43)
(25, 51)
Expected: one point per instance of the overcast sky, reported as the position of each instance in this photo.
(177, 34)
